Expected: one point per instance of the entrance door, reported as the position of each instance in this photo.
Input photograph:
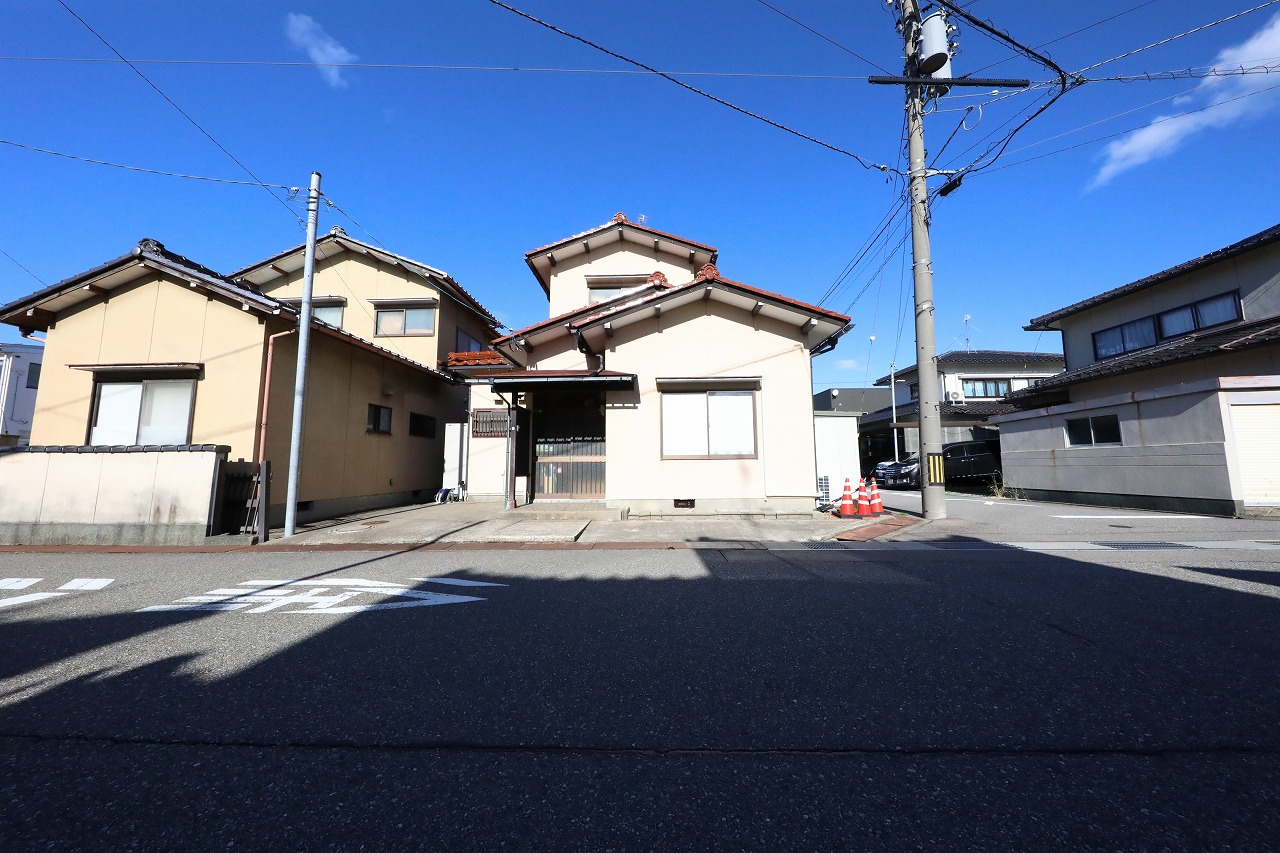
(1258, 452)
(568, 446)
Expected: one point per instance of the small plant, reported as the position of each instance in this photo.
(1002, 491)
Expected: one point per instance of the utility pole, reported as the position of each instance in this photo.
(304, 349)
(932, 485)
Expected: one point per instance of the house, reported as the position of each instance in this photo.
(154, 352)
(835, 429)
(859, 401)
(1171, 396)
(971, 385)
(19, 379)
(656, 385)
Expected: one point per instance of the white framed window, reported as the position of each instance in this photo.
(404, 322)
(602, 288)
(331, 314)
(149, 411)
(708, 424)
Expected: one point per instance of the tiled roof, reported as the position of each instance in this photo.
(562, 374)
(984, 356)
(974, 411)
(484, 358)
(1208, 343)
(1262, 238)
(620, 219)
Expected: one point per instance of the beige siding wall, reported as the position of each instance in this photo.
(155, 320)
(569, 278)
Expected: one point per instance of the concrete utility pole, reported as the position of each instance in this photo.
(932, 485)
(304, 349)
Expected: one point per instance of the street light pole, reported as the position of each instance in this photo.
(932, 486)
(893, 417)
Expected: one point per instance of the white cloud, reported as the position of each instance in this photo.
(847, 364)
(307, 35)
(1223, 95)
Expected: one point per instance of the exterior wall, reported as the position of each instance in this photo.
(17, 401)
(360, 278)
(486, 473)
(151, 498)
(836, 448)
(1256, 275)
(568, 281)
(345, 467)
(1175, 452)
(781, 478)
(155, 321)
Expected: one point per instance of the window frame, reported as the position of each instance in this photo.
(404, 312)
(142, 383)
(706, 393)
(1008, 385)
(1157, 323)
(33, 375)
(374, 420)
(1089, 420)
(427, 425)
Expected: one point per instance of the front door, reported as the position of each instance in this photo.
(568, 445)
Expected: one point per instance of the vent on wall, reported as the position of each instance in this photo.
(684, 503)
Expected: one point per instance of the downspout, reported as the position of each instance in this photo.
(510, 487)
(266, 398)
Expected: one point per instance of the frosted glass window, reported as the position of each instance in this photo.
(165, 412)
(115, 413)
(731, 423)
(684, 424)
(1219, 309)
(331, 314)
(406, 321)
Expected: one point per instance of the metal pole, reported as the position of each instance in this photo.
(932, 487)
(304, 347)
(893, 417)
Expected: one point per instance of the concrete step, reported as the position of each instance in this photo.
(568, 511)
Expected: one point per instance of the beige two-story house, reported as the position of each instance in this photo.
(657, 385)
(1171, 397)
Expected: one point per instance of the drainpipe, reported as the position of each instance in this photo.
(266, 397)
(509, 467)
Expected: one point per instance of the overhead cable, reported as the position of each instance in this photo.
(831, 41)
(80, 159)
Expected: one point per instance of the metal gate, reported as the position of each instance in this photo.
(568, 446)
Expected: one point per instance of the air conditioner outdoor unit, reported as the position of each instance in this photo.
(955, 397)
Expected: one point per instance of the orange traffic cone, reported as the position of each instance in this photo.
(877, 505)
(864, 503)
(846, 502)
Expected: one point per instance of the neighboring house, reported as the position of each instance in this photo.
(859, 401)
(835, 428)
(152, 350)
(971, 385)
(649, 395)
(19, 379)
(1171, 398)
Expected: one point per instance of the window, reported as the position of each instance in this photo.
(466, 343)
(33, 375)
(422, 425)
(986, 387)
(331, 314)
(379, 419)
(152, 411)
(602, 288)
(489, 423)
(1137, 334)
(397, 322)
(702, 424)
(1099, 429)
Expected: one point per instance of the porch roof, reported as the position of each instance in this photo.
(568, 379)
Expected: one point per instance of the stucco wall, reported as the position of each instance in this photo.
(107, 498)
(569, 278)
(155, 320)
(487, 457)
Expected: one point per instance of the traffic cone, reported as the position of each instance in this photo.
(864, 503)
(846, 502)
(877, 505)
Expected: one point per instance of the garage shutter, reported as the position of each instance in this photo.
(1257, 431)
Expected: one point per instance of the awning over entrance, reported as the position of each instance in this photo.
(562, 380)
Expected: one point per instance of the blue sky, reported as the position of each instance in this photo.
(467, 169)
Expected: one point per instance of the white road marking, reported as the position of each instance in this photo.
(318, 596)
(1170, 517)
(31, 596)
(457, 582)
(88, 583)
(18, 583)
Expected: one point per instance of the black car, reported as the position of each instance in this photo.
(962, 461)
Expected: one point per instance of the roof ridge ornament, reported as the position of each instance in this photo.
(708, 271)
(659, 278)
(147, 244)
(337, 231)
(620, 217)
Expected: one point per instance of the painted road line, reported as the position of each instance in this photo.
(31, 596)
(88, 583)
(1169, 517)
(18, 583)
(318, 596)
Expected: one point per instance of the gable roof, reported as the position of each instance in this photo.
(819, 324)
(291, 260)
(617, 230)
(1257, 241)
(984, 356)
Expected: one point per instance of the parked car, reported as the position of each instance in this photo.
(962, 461)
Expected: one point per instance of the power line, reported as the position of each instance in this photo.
(831, 41)
(183, 112)
(143, 169)
(21, 267)
(1178, 36)
(866, 164)
(399, 66)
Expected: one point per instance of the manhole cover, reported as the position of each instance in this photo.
(824, 546)
(1145, 546)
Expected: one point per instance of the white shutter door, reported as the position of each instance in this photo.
(1257, 431)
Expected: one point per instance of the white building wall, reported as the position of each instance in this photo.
(17, 399)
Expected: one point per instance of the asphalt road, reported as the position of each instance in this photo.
(641, 700)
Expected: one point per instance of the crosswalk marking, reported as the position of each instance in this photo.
(87, 583)
(31, 596)
(18, 583)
